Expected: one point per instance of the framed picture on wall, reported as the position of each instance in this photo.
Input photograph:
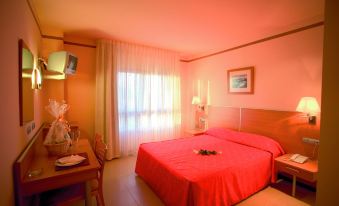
(240, 81)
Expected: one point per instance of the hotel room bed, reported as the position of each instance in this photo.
(181, 177)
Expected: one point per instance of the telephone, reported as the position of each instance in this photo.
(298, 158)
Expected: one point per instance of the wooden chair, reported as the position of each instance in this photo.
(71, 194)
(100, 151)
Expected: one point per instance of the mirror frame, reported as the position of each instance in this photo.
(22, 45)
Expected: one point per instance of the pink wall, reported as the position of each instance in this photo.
(16, 22)
(286, 69)
(80, 90)
(185, 106)
(77, 90)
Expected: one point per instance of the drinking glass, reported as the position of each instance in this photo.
(75, 135)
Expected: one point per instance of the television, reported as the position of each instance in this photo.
(62, 62)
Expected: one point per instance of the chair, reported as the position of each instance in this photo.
(71, 194)
(100, 151)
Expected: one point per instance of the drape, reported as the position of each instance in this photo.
(106, 108)
(138, 95)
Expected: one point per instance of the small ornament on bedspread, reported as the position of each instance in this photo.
(206, 152)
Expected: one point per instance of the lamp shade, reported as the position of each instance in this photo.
(36, 79)
(196, 100)
(308, 105)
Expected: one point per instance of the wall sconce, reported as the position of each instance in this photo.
(200, 117)
(36, 79)
(197, 101)
(310, 106)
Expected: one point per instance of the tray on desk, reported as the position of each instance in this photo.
(83, 163)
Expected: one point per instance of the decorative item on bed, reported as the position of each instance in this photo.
(181, 177)
(206, 152)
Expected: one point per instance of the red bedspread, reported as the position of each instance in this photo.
(181, 177)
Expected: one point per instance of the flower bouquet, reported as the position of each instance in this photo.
(57, 141)
(206, 152)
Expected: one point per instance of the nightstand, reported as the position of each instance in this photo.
(306, 171)
(195, 132)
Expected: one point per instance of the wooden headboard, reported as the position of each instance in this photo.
(286, 127)
(224, 117)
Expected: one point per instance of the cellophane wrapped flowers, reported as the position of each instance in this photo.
(59, 129)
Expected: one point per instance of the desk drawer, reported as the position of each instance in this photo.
(309, 176)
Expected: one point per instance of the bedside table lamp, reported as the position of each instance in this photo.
(310, 106)
(199, 109)
(196, 100)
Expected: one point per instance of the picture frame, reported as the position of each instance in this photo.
(240, 81)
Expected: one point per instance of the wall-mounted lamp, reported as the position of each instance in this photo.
(200, 116)
(310, 106)
(36, 79)
(197, 101)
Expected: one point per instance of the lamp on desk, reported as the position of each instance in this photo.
(310, 106)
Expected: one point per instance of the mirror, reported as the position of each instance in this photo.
(26, 93)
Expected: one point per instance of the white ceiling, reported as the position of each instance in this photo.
(190, 27)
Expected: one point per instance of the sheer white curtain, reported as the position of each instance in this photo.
(106, 107)
(147, 86)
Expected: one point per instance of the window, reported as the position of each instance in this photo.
(148, 102)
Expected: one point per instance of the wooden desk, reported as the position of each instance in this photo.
(49, 178)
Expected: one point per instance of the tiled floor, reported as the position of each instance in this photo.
(123, 188)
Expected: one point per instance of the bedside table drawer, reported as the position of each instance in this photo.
(296, 171)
